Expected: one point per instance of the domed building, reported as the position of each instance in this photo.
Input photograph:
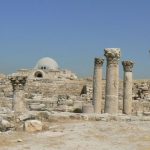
(47, 68)
(47, 63)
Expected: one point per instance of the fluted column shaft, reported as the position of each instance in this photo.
(112, 80)
(127, 87)
(97, 85)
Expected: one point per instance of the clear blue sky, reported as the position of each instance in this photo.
(73, 32)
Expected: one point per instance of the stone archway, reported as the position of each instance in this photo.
(38, 74)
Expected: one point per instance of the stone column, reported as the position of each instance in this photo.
(127, 87)
(112, 80)
(97, 85)
(18, 83)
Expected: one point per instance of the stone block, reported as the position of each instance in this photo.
(88, 108)
(33, 126)
(5, 125)
(37, 106)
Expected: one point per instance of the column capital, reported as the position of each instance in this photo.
(127, 65)
(112, 55)
(18, 82)
(99, 61)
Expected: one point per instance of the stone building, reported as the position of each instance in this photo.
(46, 68)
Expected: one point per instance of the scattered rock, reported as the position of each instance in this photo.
(5, 125)
(33, 126)
(146, 113)
(19, 140)
(37, 106)
(27, 116)
(4, 110)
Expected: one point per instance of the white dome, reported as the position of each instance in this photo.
(47, 63)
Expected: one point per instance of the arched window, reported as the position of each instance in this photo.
(43, 67)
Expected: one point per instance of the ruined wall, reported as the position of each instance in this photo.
(69, 94)
(62, 95)
(6, 94)
(49, 88)
(140, 97)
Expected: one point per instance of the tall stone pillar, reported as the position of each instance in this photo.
(127, 87)
(112, 80)
(18, 83)
(97, 85)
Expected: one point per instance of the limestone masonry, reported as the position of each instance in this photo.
(48, 88)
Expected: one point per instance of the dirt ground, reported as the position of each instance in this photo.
(77, 135)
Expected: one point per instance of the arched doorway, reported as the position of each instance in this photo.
(38, 74)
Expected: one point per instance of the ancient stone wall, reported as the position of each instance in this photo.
(140, 97)
(68, 95)
(49, 88)
(6, 94)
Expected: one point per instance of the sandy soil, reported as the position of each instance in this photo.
(77, 135)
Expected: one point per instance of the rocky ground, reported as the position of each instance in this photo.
(80, 135)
